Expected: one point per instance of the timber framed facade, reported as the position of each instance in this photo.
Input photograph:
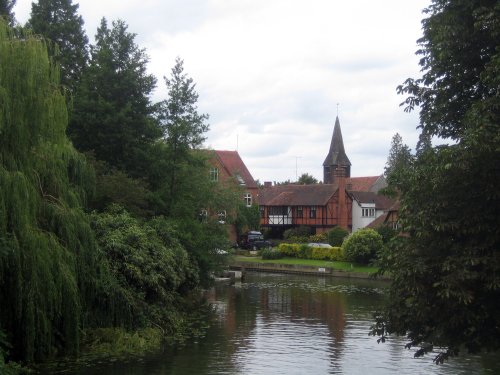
(316, 206)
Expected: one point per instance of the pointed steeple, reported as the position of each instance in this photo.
(336, 162)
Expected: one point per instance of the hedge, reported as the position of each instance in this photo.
(303, 251)
(328, 253)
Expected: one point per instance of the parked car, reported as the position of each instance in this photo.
(317, 244)
(254, 240)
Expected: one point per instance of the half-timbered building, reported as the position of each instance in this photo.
(337, 202)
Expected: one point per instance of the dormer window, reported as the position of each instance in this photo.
(240, 179)
(368, 212)
(214, 174)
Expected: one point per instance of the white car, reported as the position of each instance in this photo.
(317, 244)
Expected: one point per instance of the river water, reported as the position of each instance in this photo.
(287, 324)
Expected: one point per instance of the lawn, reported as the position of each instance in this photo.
(344, 266)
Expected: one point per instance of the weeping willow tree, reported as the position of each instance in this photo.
(48, 255)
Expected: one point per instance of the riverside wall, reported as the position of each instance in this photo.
(300, 269)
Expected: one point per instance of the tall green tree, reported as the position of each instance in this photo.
(48, 270)
(183, 131)
(6, 10)
(446, 290)
(398, 164)
(59, 22)
(112, 115)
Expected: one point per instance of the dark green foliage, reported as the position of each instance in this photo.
(386, 232)
(148, 262)
(183, 131)
(59, 22)
(6, 10)
(398, 164)
(112, 109)
(362, 246)
(247, 218)
(301, 231)
(114, 186)
(445, 290)
(271, 254)
(336, 236)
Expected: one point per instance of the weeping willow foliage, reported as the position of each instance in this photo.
(50, 277)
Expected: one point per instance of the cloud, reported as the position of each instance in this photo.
(270, 73)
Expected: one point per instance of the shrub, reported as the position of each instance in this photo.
(322, 238)
(297, 239)
(305, 252)
(271, 254)
(362, 246)
(327, 253)
(289, 249)
(337, 235)
(301, 231)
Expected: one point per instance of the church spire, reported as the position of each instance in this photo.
(336, 163)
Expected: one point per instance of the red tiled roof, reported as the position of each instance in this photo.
(297, 195)
(379, 221)
(361, 183)
(231, 160)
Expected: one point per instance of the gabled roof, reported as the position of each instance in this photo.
(297, 195)
(361, 183)
(337, 155)
(235, 167)
(381, 201)
(379, 221)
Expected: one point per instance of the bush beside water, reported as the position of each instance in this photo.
(303, 251)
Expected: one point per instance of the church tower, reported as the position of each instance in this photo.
(337, 163)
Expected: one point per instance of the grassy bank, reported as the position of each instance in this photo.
(344, 266)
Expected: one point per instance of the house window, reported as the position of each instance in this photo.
(262, 212)
(222, 216)
(300, 211)
(312, 213)
(214, 174)
(368, 212)
(248, 199)
(203, 216)
(278, 210)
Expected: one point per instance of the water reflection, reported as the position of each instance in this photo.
(282, 324)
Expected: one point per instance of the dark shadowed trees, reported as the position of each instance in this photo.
(59, 22)
(112, 116)
(183, 131)
(446, 290)
(6, 10)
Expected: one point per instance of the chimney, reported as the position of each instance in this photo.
(268, 184)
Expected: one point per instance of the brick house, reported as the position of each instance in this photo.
(342, 200)
(228, 167)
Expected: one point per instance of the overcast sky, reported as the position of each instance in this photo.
(271, 72)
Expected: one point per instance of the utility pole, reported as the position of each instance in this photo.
(296, 169)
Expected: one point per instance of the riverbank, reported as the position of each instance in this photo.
(304, 266)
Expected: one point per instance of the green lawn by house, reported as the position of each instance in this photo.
(344, 266)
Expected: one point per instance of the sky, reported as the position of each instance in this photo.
(274, 74)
